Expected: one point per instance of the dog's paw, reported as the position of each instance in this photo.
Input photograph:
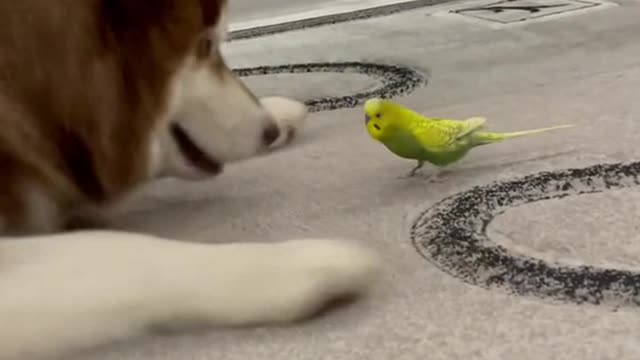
(297, 279)
(322, 271)
(291, 116)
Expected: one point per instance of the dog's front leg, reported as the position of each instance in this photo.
(65, 293)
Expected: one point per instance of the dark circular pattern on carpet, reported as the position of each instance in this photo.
(453, 236)
(395, 81)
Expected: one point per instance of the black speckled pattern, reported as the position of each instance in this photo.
(452, 235)
(396, 81)
(331, 19)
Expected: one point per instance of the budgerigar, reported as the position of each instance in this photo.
(440, 142)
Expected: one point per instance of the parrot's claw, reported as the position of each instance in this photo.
(410, 174)
(413, 171)
(435, 178)
(432, 178)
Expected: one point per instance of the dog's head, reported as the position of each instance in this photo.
(97, 98)
(211, 117)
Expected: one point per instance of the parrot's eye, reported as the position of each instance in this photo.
(378, 115)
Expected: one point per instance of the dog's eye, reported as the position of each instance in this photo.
(204, 48)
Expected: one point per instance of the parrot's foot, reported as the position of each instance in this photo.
(415, 171)
(435, 177)
(410, 174)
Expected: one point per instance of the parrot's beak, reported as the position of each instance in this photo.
(366, 119)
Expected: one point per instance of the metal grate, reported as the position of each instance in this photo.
(515, 11)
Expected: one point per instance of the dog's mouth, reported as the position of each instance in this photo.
(192, 152)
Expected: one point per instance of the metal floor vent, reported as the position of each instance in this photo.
(517, 11)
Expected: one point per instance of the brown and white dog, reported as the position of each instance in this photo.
(98, 97)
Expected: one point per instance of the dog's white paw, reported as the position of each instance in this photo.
(296, 279)
(124, 284)
(322, 271)
(291, 116)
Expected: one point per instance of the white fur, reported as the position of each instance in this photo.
(68, 292)
(217, 111)
(221, 30)
(63, 293)
(290, 115)
(217, 114)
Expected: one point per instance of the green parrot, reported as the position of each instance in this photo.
(440, 142)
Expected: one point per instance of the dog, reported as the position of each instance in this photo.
(98, 98)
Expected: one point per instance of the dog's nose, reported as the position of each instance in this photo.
(270, 134)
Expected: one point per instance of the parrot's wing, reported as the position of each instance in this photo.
(470, 125)
(441, 134)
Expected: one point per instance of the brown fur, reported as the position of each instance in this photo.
(87, 102)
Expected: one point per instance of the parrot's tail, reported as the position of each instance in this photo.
(485, 137)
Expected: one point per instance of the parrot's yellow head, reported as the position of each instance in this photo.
(378, 117)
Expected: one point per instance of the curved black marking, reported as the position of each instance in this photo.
(331, 19)
(396, 81)
(452, 235)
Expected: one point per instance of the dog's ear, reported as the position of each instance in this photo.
(141, 14)
(211, 11)
(136, 14)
